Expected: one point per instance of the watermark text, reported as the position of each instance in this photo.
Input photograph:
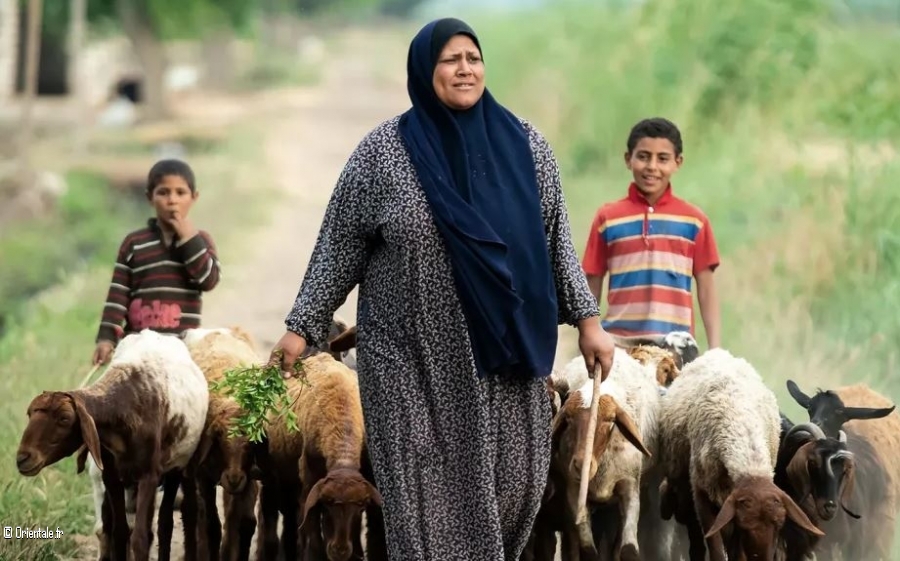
(24, 533)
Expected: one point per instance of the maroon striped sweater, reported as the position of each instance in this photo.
(159, 288)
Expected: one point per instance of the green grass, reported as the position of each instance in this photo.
(49, 346)
(791, 130)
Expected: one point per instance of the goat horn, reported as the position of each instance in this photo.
(842, 436)
(813, 430)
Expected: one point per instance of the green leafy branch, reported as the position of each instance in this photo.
(258, 391)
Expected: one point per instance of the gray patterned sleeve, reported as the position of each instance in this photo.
(341, 253)
(575, 299)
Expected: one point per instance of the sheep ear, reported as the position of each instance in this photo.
(88, 429)
(206, 442)
(81, 459)
(798, 471)
(798, 516)
(800, 397)
(375, 495)
(724, 517)
(630, 431)
(343, 342)
(311, 500)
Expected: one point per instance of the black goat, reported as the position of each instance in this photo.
(827, 410)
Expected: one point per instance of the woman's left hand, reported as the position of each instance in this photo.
(597, 347)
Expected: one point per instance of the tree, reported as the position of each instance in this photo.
(148, 23)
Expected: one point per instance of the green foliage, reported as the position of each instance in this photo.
(259, 392)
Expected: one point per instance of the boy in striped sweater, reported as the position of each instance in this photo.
(161, 270)
(653, 244)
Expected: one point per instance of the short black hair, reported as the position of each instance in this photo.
(656, 127)
(163, 168)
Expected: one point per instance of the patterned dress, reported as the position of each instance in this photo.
(461, 461)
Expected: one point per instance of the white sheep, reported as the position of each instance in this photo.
(719, 433)
(629, 401)
(140, 421)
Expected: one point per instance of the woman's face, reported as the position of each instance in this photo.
(459, 73)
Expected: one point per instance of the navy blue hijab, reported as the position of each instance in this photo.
(478, 174)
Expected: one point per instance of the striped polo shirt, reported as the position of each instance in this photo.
(652, 253)
(158, 287)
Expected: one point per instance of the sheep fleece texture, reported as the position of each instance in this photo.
(718, 414)
(460, 461)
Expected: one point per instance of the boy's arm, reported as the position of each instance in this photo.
(117, 298)
(201, 260)
(709, 306)
(595, 282)
(706, 261)
(594, 261)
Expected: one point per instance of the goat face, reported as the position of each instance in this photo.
(827, 410)
(758, 509)
(339, 499)
(58, 424)
(822, 468)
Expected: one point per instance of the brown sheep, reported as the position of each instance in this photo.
(221, 458)
(335, 493)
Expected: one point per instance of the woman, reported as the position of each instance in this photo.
(451, 219)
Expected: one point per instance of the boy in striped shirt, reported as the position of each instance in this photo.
(161, 270)
(653, 244)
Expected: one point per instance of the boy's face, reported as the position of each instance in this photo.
(172, 198)
(652, 163)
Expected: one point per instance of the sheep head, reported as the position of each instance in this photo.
(827, 410)
(338, 501)
(58, 425)
(758, 509)
(571, 425)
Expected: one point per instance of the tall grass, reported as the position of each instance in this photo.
(791, 128)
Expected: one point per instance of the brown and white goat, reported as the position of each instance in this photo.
(222, 458)
(140, 421)
(719, 433)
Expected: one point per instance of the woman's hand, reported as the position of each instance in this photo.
(292, 346)
(597, 347)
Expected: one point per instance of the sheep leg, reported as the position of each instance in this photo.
(165, 522)
(141, 536)
(211, 535)
(240, 523)
(289, 512)
(115, 524)
(189, 515)
(376, 544)
(630, 505)
(267, 546)
(706, 511)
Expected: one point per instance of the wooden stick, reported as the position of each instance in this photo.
(589, 449)
(89, 375)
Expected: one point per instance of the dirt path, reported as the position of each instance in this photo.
(306, 153)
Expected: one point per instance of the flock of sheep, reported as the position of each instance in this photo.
(691, 457)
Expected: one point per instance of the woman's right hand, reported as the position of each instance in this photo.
(292, 346)
(103, 352)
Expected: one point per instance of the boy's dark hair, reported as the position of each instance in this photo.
(163, 168)
(656, 127)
